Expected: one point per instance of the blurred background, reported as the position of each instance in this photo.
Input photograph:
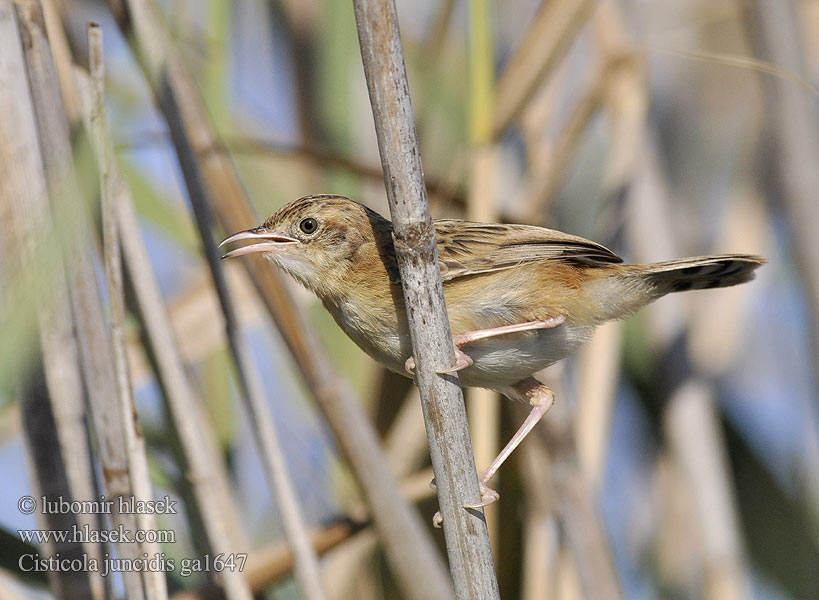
(681, 459)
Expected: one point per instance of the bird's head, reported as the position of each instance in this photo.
(315, 239)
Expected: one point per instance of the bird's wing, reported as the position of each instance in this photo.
(467, 248)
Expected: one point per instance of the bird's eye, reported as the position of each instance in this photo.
(308, 225)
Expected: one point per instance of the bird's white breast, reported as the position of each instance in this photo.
(504, 360)
(499, 361)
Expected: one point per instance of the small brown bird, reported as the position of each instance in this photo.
(519, 297)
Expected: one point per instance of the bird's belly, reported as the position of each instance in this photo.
(498, 362)
(504, 360)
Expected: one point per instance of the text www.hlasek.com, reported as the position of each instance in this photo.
(88, 535)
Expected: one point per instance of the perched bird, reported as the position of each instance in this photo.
(519, 297)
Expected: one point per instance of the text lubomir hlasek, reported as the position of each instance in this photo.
(104, 506)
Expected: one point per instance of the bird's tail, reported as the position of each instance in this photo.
(631, 287)
(701, 272)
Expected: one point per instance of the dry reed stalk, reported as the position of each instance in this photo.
(692, 427)
(574, 503)
(203, 467)
(563, 148)
(119, 446)
(598, 373)
(406, 448)
(540, 535)
(718, 330)
(353, 538)
(112, 259)
(410, 550)
(776, 36)
(405, 443)
(483, 406)
(270, 564)
(62, 62)
(547, 40)
(252, 392)
(537, 118)
(10, 424)
(440, 191)
(624, 100)
(692, 414)
(470, 555)
(53, 421)
(577, 465)
(626, 97)
(193, 315)
(311, 153)
(10, 589)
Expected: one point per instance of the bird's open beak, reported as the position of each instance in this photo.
(261, 241)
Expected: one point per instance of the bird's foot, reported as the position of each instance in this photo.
(488, 496)
(462, 361)
(437, 520)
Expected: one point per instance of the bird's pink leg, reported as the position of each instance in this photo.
(462, 339)
(462, 360)
(541, 399)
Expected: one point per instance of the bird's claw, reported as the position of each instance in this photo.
(488, 496)
(462, 361)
